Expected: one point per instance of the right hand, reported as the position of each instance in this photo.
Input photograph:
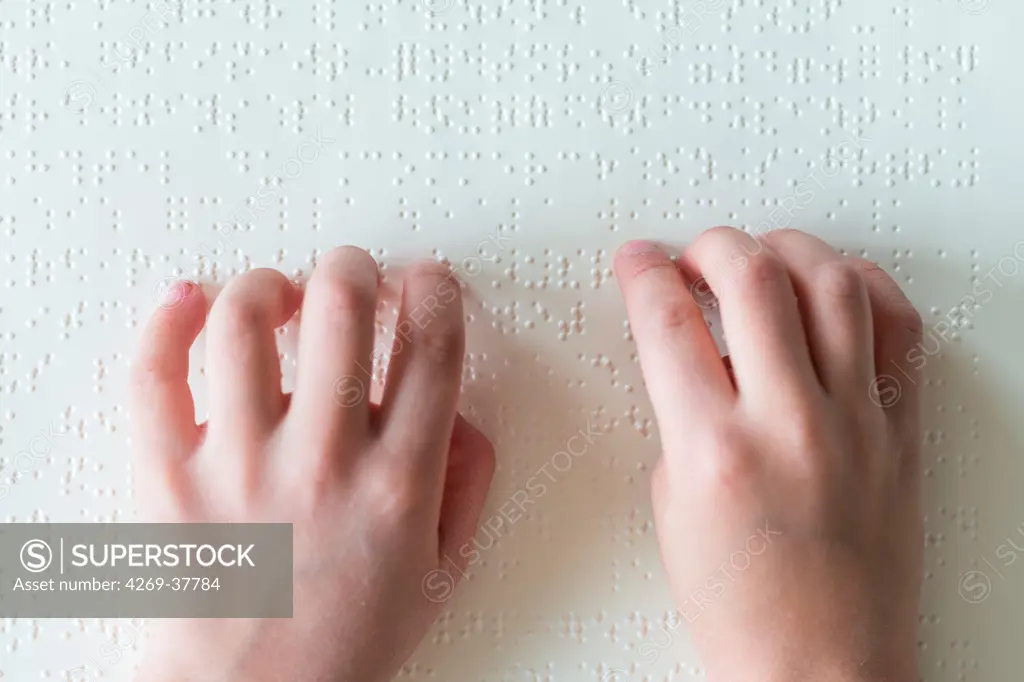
(787, 496)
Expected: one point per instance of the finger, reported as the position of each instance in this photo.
(899, 357)
(333, 380)
(836, 311)
(242, 364)
(760, 318)
(681, 366)
(467, 481)
(164, 415)
(425, 371)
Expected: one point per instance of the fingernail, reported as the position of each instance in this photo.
(177, 292)
(638, 247)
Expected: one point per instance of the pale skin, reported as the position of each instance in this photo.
(788, 454)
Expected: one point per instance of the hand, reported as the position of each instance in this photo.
(787, 496)
(380, 497)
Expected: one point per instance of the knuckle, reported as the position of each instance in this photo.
(671, 318)
(237, 315)
(732, 465)
(806, 436)
(431, 289)
(392, 491)
(437, 341)
(873, 271)
(891, 298)
(638, 265)
(875, 275)
(761, 269)
(428, 269)
(145, 376)
(841, 281)
(803, 430)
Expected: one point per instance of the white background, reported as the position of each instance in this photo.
(547, 128)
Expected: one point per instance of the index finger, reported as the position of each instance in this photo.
(682, 368)
(898, 332)
(421, 391)
(163, 412)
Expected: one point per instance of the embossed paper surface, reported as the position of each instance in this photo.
(522, 140)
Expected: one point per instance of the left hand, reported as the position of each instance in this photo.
(381, 497)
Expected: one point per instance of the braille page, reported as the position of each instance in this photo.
(523, 141)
